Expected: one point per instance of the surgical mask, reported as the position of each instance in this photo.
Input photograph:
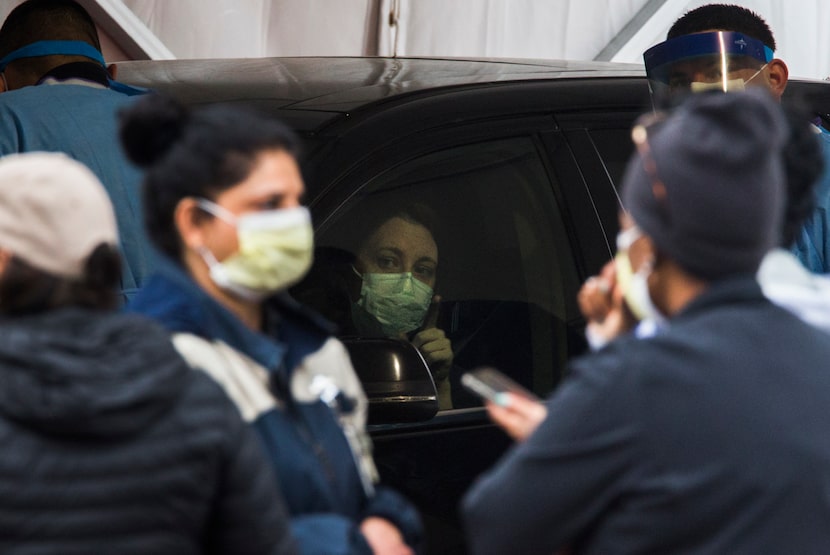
(275, 251)
(399, 302)
(634, 285)
(731, 85)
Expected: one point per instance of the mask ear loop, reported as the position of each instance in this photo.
(217, 210)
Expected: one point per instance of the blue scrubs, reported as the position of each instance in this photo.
(812, 246)
(80, 120)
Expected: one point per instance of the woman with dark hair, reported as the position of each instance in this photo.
(397, 264)
(111, 443)
(222, 194)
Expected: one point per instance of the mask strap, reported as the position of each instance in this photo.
(217, 210)
(67, 48)
(208, 256)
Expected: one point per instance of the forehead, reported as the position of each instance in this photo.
(409, 237)
(273, 172)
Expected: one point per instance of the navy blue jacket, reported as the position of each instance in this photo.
(111, 443)
(327, 479)
(711, 437)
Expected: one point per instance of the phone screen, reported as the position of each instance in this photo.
(489, 383)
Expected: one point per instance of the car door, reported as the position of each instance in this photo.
(524, 207)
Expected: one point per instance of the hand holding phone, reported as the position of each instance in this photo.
(491, 384)
(515, 409)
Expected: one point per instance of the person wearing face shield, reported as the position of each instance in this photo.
(710, 436)
(222, 195)
(728, 48)
(58, 95)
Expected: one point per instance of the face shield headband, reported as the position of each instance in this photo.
(66, 48)
(716, 54)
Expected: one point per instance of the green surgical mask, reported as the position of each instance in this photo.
(399, 302)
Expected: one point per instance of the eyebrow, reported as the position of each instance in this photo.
(399, 252)
(426, 259)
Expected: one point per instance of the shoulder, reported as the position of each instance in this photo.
(244, 381)
(168, 303)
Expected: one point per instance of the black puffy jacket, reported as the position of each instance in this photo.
(111, 444)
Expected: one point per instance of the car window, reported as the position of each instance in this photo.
(614, 158)
(505, 272)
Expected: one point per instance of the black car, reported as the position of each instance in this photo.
(518, 159)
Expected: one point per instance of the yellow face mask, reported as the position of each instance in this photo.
(275, 251)
(633, 285)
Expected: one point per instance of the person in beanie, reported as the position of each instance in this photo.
(111, 443)
(711, 436)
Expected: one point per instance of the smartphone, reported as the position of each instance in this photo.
(488, 383)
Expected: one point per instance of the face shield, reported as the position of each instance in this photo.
(719, 60)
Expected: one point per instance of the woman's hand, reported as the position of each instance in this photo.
(436, 350)
(383, 537)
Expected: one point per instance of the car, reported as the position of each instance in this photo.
(519, 160)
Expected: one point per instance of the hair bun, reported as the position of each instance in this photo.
(149, 128)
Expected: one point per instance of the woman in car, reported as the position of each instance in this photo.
(111, 443)
(222, 203)
(384, 285)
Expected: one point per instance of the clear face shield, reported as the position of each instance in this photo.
(719, 60)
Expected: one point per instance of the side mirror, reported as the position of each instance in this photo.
(396, 379)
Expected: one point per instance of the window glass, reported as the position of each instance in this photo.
(615, 148)
(479, 227)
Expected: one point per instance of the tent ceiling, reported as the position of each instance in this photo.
(565, 29)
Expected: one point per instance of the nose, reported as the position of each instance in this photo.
(408, 286)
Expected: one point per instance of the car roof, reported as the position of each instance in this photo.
(339, 85)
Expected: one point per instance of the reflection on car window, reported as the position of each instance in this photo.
(464, 253)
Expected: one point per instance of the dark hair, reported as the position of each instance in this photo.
(803, 164)
(37, 20)
(193, 153)
(373, 217)
(723, 17)
(25, 289)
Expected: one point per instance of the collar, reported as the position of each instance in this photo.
(188, 308)
(68, 48)
(734, 290)
(76, 71)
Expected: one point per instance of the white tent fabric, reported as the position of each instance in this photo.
(617, 30)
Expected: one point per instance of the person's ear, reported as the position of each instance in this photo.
(4, 86)
(187, 218)
(112, 70)
(777, 76)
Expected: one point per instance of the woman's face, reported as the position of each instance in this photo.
(400, 246)
(274, 183)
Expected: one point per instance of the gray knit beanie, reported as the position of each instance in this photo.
(707, 183)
